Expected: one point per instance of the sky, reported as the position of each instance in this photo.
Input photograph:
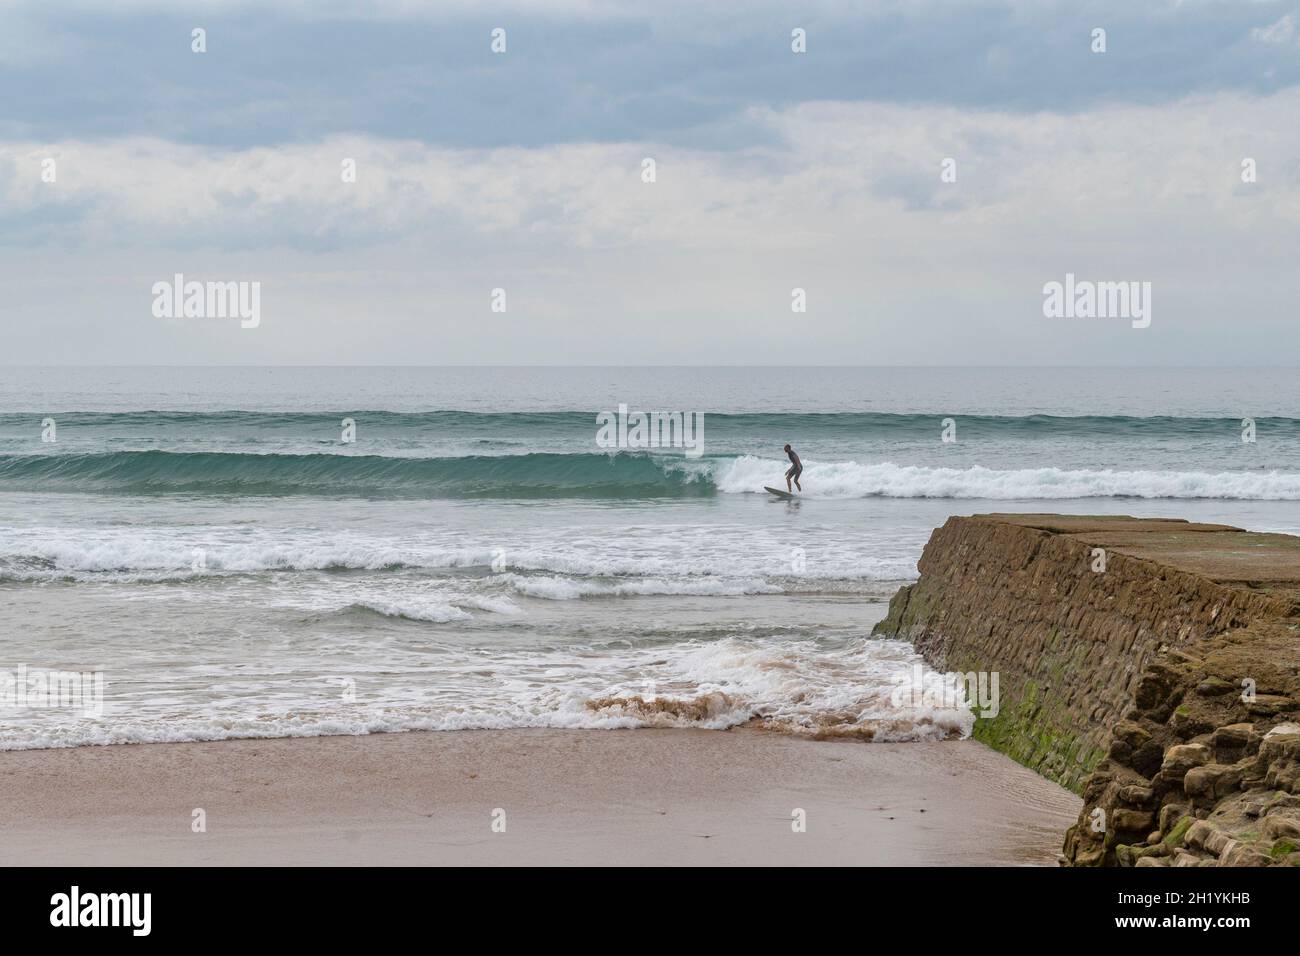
(920, 172)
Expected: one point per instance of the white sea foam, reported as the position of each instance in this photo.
(495, 605)
(91, 550)
(436, 608)
(555, 588)
(658, 554)
(802, 687)
(849, 479)
(425, 610)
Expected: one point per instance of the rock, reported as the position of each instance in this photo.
(1131, 821)
(1170, 814)
(1136, 795)
(1211, 781)
(1241, 855)
(1256, 805)
(1182, 758)
(1152, 861)
(1151, 691)
(1090, 856)
(1277, 746)
(1195, 834)
(1130, 733)
(1097, 788)
(1229, 742)
(1215, 687)
(1188, 725)
(1219, 843)
(1280, 753)
(1267, 705)
(1146, 759)
(1157, 849)
(1282, 825)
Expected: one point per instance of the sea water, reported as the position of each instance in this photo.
(243, 552)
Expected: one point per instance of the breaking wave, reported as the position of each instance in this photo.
(610, 476)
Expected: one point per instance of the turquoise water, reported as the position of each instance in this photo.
(208, 540)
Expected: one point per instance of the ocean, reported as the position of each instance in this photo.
(207, 545)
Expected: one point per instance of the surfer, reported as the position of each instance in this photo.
(795, 470)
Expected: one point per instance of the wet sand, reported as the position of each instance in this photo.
(645, 797)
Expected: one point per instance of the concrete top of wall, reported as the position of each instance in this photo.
(1255, 561)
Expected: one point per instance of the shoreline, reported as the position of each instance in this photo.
(614, 797)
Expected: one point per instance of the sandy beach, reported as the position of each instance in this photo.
(644, 797)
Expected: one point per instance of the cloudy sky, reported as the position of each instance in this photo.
(774, 170)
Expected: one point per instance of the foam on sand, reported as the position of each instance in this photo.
(803, 687)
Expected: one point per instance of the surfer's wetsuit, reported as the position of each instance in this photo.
(796, 466)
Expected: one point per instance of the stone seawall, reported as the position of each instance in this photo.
(1151, 665)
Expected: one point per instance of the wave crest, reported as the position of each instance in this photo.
(537, 475)
(610, 476)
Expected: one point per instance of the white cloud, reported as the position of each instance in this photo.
(847, 203)
(833, 165)
(1282, 31)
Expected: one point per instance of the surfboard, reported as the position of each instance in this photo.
(778, 492)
